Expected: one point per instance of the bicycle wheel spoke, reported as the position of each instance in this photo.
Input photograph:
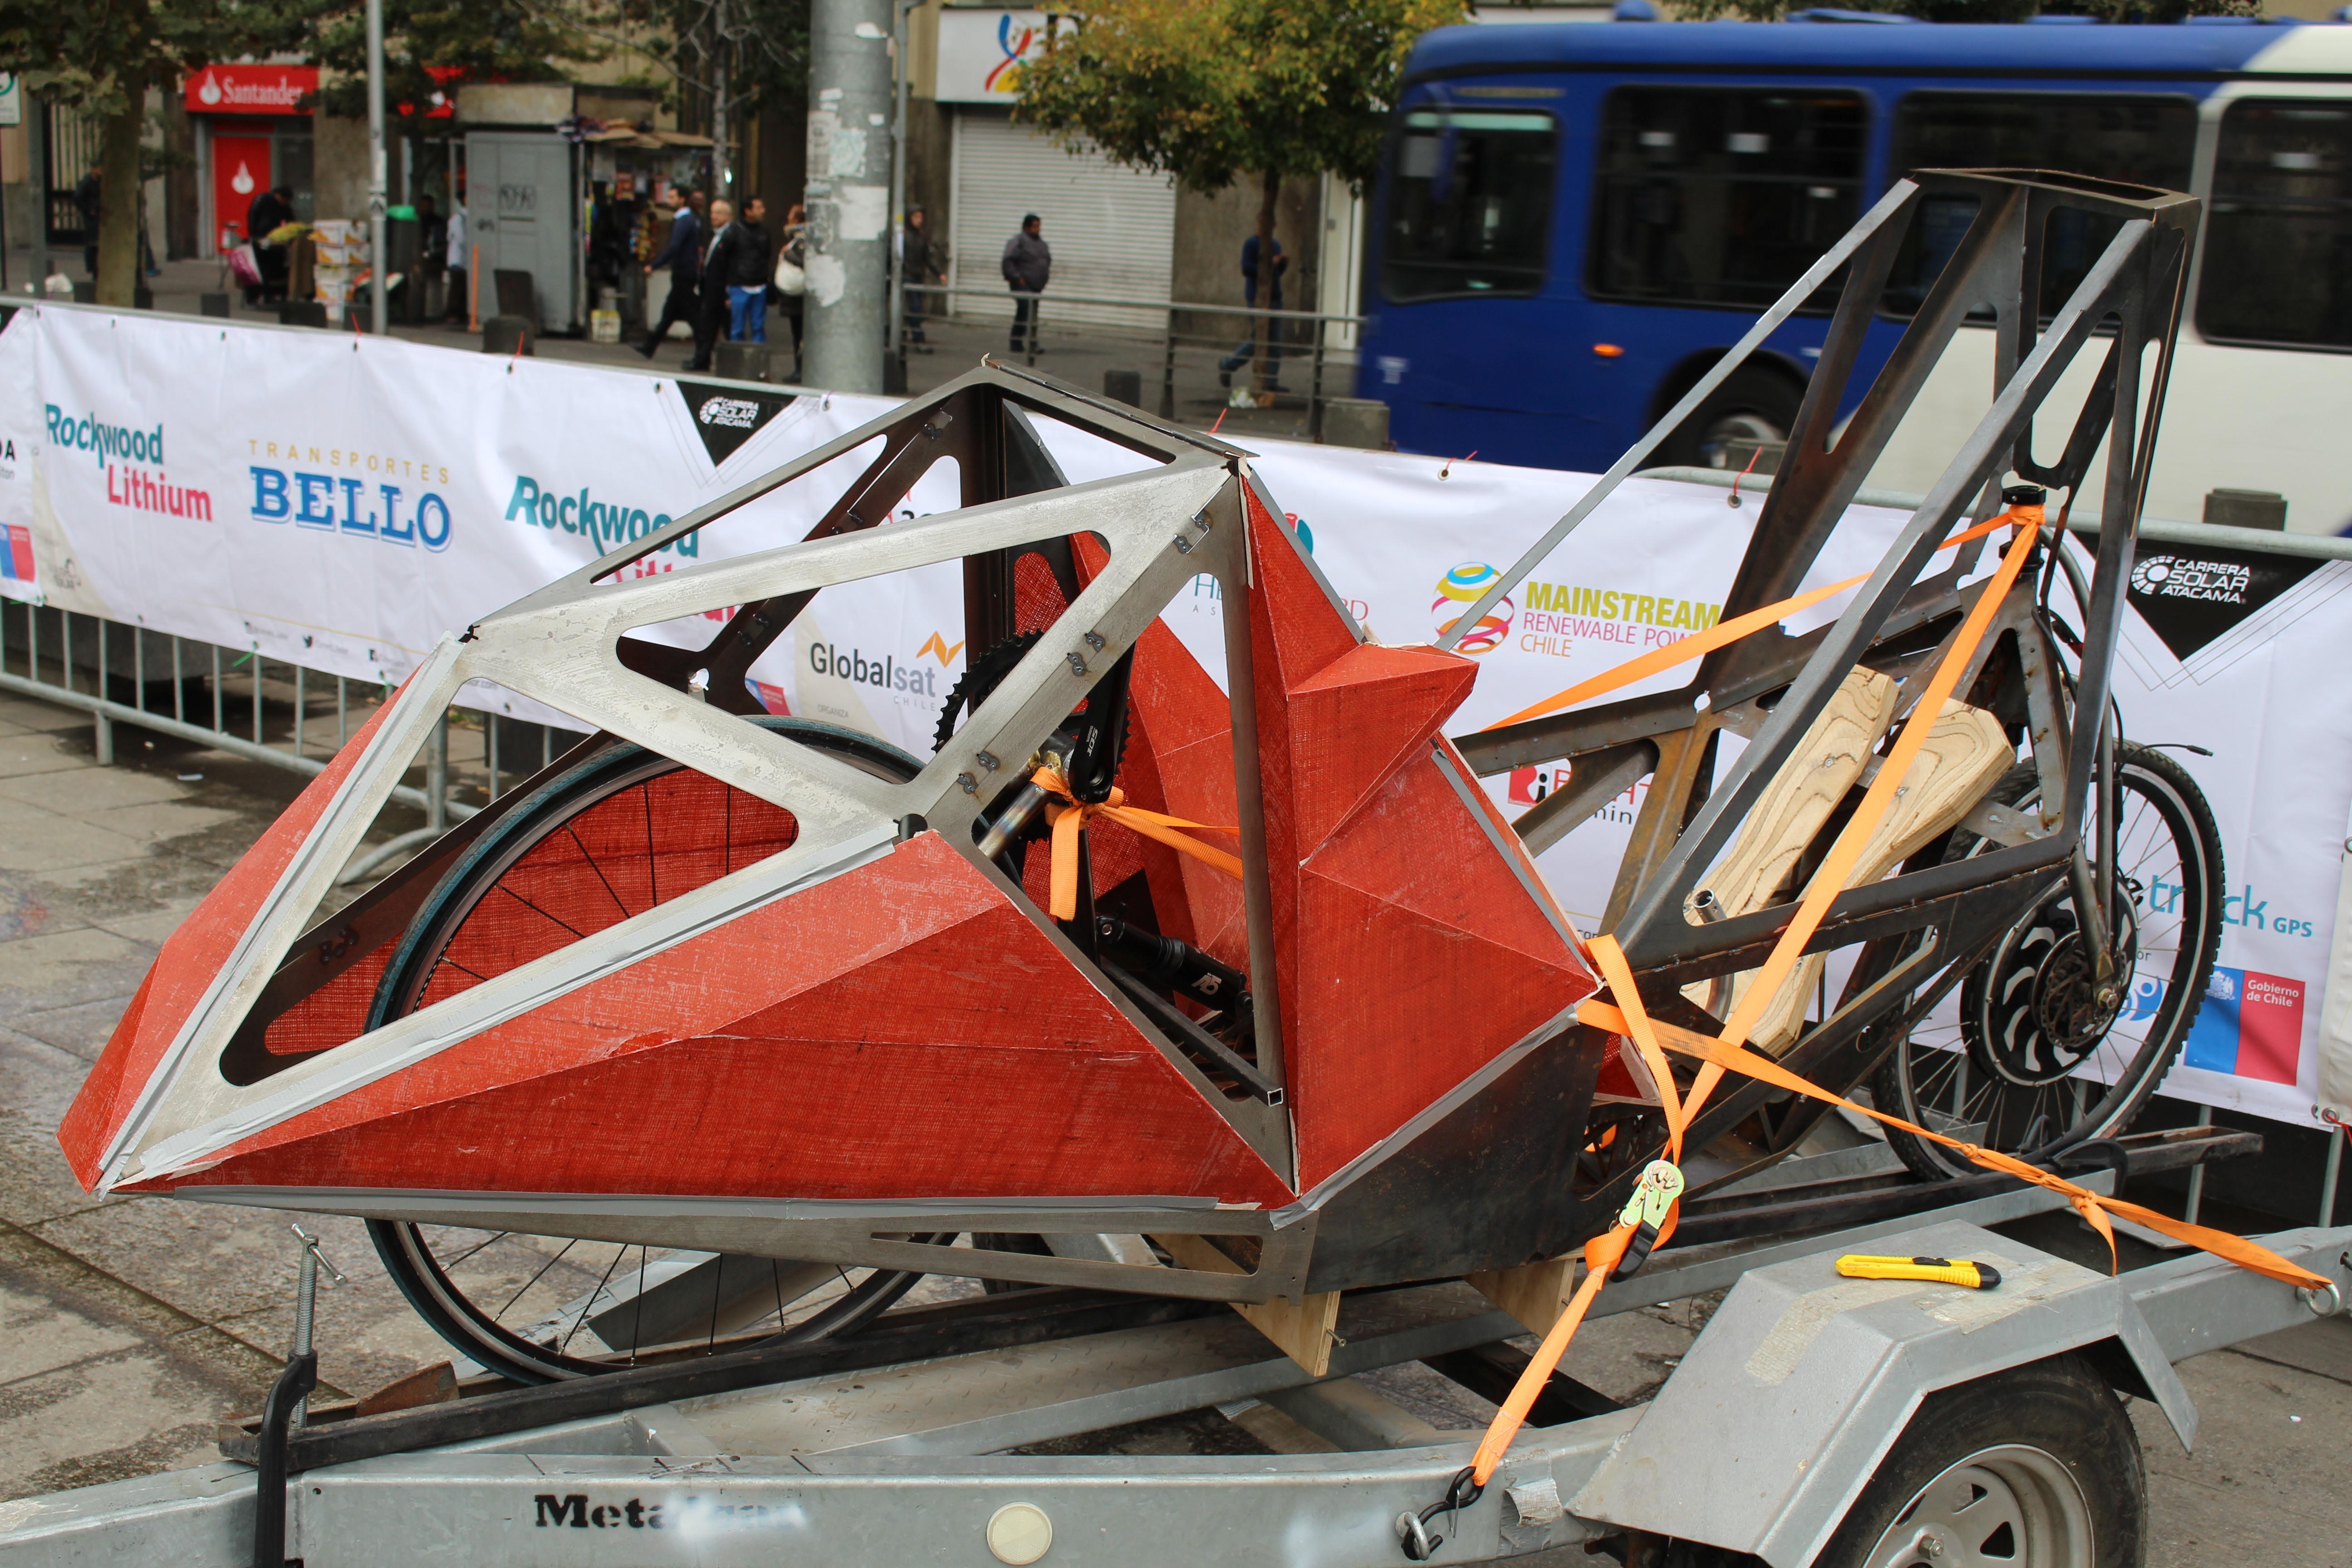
(594, 1297)
(452, 1262)
(534, 1279)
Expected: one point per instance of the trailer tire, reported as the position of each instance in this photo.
(2037, 1466)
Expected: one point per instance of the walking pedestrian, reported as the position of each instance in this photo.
(717, 269)
(748, 277)
(792, 277)
(267, 213)
(682, 255)
(454, 259)
(86, 202)
(1028, 266)
(917, 266)
(1271, 330)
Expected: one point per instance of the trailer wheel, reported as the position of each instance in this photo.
(2033, 1467)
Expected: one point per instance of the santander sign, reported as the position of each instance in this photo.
(251, 88)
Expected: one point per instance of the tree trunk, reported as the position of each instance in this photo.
(118, 196)
(1262, 330)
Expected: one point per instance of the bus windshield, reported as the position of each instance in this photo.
(1469, 204)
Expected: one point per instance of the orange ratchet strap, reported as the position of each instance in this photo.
(1070, 818)
(1650, 1038)
(2095, 1207)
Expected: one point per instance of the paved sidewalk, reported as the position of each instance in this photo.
(130, 1327)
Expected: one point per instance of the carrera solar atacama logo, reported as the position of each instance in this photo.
(2174, 577)
(733, 412)
(726, 417)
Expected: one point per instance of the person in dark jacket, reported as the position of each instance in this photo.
(748, 277)
(1271, 330)
(1028, 266)
(683, 257)
(86, 202)
(718, 273)
(267, 213)
(917, 268)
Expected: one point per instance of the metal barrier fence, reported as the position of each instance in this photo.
(1191, 332)
(265, 710)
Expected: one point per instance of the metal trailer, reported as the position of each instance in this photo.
(1802, 1427)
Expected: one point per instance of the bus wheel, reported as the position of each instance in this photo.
(1753, 405)
(2037, 1466)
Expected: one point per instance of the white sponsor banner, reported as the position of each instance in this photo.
(344, 503)
(980, 52)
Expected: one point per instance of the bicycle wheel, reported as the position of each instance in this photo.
(622, 832)
(2033, 1061)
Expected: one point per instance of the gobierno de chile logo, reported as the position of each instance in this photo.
(1456, 592)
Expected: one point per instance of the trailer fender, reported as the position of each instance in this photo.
(1802, 1381)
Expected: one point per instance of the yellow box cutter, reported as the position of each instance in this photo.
(1936, 1270)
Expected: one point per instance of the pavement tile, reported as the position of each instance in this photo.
(35, 840)
(98, 789)
(157, 821)
(164, 879)
(151, 929)
(37, 1082)
(106, 1409)
(27, 754)
(2266, 1482)
(131, 1414)
(70, 967)
(81, 1030)
(30, 907)
(209, 1260)
(38, 1334)
(27, 714)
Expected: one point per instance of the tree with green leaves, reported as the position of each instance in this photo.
(728, 59)
(1210, 90)
(429, 46)
(101, 57)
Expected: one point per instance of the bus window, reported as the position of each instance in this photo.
(1721, 196)
(2108, 136)
(1469, 204)
(2278, 248)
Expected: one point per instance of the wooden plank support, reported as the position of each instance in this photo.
(1535, 1293)
(1964, 754)
(1305, 1331)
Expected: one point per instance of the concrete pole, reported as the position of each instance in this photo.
(896, 242)
(849, 159)
(379, 302)
(723, 182)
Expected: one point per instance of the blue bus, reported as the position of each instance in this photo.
(1573, 221)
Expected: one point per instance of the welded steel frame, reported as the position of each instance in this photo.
(1932, 923)
(568, 645)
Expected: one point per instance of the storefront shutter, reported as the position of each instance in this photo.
(1112, 227)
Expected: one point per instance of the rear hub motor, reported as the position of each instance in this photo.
(2040, 1008)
